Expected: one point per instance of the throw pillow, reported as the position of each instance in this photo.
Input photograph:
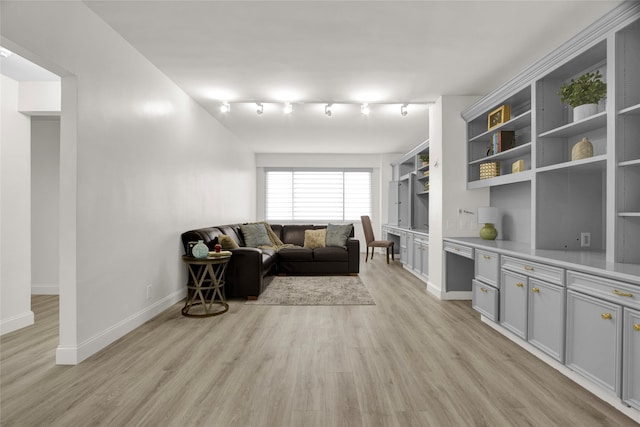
(255, 235)
(315, 238)
(337, 235)
(227, 242)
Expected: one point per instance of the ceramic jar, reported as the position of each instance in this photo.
(200, 250)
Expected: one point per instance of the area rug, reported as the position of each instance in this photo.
(315, 290)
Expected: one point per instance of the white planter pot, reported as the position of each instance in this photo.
(583, 111)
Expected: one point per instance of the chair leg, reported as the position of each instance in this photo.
(393, 254)
(387, 254)
(366, 258)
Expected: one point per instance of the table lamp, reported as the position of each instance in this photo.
(489, 217)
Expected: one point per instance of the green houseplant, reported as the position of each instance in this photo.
(424, 158)
(586, 90)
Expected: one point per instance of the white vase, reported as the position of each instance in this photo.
(583, 111)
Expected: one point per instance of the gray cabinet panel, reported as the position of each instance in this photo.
(485, 300)
(487, 267)
(594, 338)
(631, 358)
(546, 318)
(513, 303)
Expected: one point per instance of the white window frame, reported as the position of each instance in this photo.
(292, 219)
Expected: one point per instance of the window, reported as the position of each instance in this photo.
(317, 195)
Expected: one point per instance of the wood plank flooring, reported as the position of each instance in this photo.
(410, 360)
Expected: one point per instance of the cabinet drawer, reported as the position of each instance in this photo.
(464, 251)
(487, 267)
(534, 269)
(485, 300)
(610, 290)
(631, 358)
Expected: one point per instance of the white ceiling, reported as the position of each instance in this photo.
(341, 51)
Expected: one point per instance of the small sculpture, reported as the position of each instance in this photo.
(582, 150)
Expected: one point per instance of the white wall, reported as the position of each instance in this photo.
(141, 162)
(15, 212)
(447, 150)
(45, 193)
(381, 175)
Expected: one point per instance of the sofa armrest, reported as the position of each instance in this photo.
(244, 273)
(353, 247)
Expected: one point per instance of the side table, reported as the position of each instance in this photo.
(207, 289)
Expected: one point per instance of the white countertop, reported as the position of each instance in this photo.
(586, 261)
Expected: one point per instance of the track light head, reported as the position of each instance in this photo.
(225, 107)
(403, 110)
(288, 108)
(260, 108)
(328, 109)
(365, 109)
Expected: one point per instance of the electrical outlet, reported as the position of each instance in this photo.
(585, 239)
(148, 291)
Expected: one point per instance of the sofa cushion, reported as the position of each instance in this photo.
(294, 234)
(227, 242)
(330, 254)
(255, 235)
(337, 235)
(232, 231)
(295, 254)
(315, 238)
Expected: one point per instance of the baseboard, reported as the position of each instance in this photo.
(434, 290)
(16, 322)
(45, 289)
(72, 355)
(603, 394)
(458, 295)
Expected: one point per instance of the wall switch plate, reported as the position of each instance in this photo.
(149, 291)
(585, 240)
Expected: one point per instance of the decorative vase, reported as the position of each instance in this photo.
(583, 111)
(488, 232)
(200, 250)
(582, 150)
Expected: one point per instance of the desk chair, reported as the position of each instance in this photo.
(372, 242)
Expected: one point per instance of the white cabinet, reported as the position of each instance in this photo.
(594, 339)
(409, 193)
(532, 308)
(485, 287)
(421, 256)
(487, 267)
(631, 358)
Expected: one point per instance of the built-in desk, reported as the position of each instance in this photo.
(412, 245)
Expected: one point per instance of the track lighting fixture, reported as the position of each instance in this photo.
(225, 107)
(328, 109)
(365, 109)
(288, 108)
(260, 108)
(5, 53)
(403, 110)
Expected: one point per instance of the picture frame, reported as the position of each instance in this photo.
(498, 116)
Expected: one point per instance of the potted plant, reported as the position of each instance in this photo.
(583, 94)
(424, 158)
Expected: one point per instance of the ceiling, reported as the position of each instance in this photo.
(316, 52)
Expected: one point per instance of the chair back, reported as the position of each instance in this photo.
(368, 230)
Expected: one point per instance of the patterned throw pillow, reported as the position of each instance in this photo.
(255, 235)
(227, 242)
(315, 238)
(337, 235)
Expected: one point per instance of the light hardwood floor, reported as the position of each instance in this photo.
(410, 360)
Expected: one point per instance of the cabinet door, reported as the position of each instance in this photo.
(545, 323)
(425, 259)
(513, 303)
(394, 202)
(594, 339)
(631, 358)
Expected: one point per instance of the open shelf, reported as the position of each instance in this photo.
(508, 154)
(500, 180)
(515, 123)
(633, 110)
(592, 163)
(635, 162)
(585, 125)
(635, 214)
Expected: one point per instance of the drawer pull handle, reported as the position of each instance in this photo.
(519, 284)
(487, 257)
(535, 290)
(526, 267)
(484, 289)
(636, 326)
(606, 316)
(623, 294)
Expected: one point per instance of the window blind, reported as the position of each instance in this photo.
(317, 195)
